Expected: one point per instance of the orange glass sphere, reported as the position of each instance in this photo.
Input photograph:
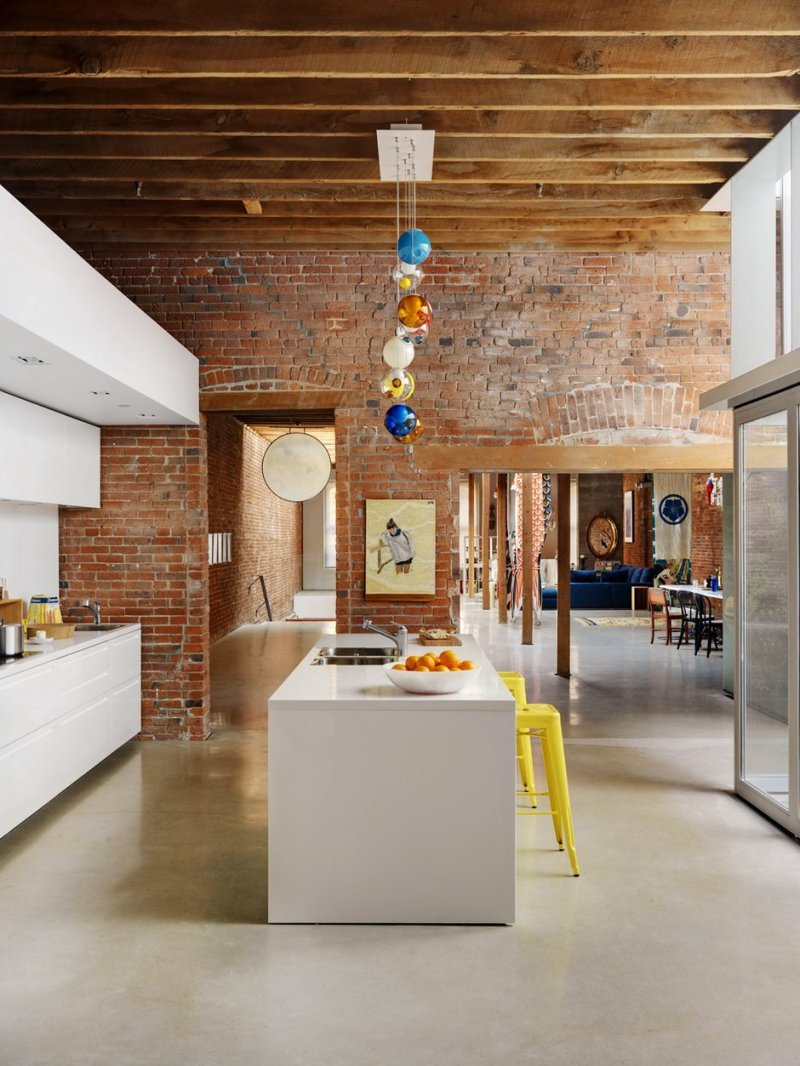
(414, 311)
(415, 433)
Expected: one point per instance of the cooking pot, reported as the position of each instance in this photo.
(12, 639)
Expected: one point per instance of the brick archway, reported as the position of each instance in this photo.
(628, 413)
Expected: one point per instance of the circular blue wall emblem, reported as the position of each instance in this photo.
(673, 509)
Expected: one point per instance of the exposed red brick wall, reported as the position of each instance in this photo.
(143, 555)
(267, 532)
(522, 348)
(706, 531)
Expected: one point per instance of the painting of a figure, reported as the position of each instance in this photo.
(400, 548)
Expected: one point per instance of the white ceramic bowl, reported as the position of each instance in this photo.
(433, 683)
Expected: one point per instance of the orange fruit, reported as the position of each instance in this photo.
(449, 658)
(411, 662)
(427, 660)
(441, 669)
(399, 666)
(467, 664)
(423, 670)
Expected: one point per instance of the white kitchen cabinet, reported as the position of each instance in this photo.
(57, 458)
(62, 715)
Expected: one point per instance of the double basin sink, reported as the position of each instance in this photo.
(343, 656)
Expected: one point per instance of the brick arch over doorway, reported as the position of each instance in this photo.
(629, 413)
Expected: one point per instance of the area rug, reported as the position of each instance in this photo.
(627, 622)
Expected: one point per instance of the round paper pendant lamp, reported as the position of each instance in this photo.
(296, 467)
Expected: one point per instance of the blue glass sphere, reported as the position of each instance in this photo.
(400, 420)
(413, 246)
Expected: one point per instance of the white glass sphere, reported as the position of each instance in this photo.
(398, 352)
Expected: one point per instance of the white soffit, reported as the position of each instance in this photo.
(405, 153)
(72, 342)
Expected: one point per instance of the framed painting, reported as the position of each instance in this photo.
(627, 518)
(400, 549)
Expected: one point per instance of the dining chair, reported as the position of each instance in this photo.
(688, 609)
(707, 626)
(660, 612)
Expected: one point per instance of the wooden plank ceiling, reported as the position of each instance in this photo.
(598, 125)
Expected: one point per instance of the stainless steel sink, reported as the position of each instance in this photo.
(96, 627)
(354, 656)
(367, 650)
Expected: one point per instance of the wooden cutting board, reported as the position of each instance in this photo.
(432, 642)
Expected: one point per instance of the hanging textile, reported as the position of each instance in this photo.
(672, 496)
(539, 528)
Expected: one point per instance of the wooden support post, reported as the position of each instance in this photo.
(563, 620)
(486, 555)
(502, 538)
(471, 536)
(527, 559)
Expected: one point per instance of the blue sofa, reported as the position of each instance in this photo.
(606, 590)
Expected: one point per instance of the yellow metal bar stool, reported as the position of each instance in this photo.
(515, 683)
(543, 722)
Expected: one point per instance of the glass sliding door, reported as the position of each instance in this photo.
(766, 689)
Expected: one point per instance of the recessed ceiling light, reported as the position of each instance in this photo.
(30, 360)
(99, 392)
(143, 415)
(123, 405)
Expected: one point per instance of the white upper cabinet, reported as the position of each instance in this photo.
(47, 457)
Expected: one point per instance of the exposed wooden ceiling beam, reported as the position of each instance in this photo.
(524, 212)
(428, 194)
(583, 239)
(60, 169)
(677, 124)
(405, 55)
(576, 458)
(383, 231)
(366, 94)
(762, 17)
(252, 207)
(359, 149)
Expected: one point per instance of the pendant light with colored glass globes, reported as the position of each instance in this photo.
(414, 314)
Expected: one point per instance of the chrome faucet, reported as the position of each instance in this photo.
(94, 607)
(399, 639)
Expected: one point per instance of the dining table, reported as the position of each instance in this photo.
(710, 594)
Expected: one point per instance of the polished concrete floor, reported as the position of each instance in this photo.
(132, 909)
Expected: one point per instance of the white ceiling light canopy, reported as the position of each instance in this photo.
(405, 153)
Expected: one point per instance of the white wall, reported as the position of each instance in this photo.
(29, 549)
(753, 252)
(315, 574)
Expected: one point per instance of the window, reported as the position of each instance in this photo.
(329, 520)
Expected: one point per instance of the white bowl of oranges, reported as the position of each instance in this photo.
(433, 674)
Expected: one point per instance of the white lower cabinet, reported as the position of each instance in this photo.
(61, 718)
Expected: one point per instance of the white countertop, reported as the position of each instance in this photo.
(44, 653)
(358, 687)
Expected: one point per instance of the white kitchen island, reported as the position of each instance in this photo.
(386, 806)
